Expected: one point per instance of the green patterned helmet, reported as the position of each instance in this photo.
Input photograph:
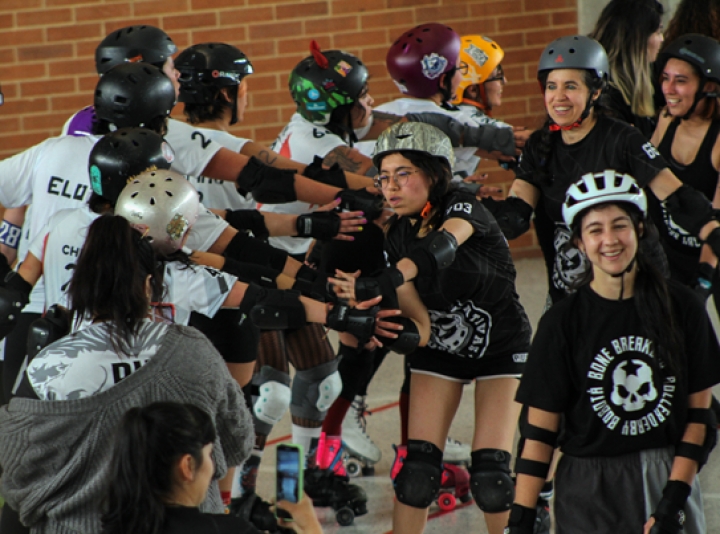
(324, 81)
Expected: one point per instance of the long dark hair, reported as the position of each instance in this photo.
(149, 442)
(340, 122)
(199, 113)
(651, 297)
(694, 16)
(108, 283)
(543, 140)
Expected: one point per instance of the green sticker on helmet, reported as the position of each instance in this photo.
(96, 179)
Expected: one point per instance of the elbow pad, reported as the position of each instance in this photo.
(512, 215)
(251, 273)
(700, 453)
(434, 252)
(251, 220)
(689, 209)
(491, 138)
(449, 126)
(268, 185)
(243, 247)
(275, 309)
(333, 176)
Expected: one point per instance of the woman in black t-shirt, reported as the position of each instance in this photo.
(575, 140)
(454, 275)
(627, 362)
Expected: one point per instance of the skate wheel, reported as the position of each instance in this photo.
(354, 467)
(345, 517)
(466, 498)
(368, 471)
(446, 501)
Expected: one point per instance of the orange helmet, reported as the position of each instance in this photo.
(481, 55)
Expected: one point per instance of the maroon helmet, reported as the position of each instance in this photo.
(420, 56)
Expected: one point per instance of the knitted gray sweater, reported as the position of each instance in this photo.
(55, 454)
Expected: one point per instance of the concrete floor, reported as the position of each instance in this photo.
(383, 427)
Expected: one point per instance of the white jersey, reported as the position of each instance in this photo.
(58, 244)
(301, 141)
(465, 159)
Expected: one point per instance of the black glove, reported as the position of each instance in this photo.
(334, 176)
(521, 521)
(361, 200)
(321, 225)
(359, 323)
(669, 514)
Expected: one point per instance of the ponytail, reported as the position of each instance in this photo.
(149, 443)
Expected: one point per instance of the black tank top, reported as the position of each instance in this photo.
(682, 249)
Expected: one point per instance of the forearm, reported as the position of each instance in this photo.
(280, 224)
(269, 157)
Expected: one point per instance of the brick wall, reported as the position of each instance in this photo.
(47, 67)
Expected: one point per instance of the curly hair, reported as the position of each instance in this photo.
(694, 16)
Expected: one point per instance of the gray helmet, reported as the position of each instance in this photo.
(417, 137)
(599, 188)
(134, 43)
(162, 205)
(575, 52)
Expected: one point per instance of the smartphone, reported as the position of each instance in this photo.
(289, 479)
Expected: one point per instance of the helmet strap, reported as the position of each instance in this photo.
(588, 106)
(622, 276)
(698, 97)
(234, 116)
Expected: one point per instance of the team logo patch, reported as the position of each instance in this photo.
(570, 263)
(316, 106)
(625, 388)
(677, 232)
(559, 59)
(433, 65)
(328, 84)
(177, 227)
(343, 68)
(96, 179)
(477, 54)
(463, 331)
(313, 94)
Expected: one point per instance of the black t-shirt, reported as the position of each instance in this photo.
(473, 305)
(591, 361)
(611, 144)
(186, 520)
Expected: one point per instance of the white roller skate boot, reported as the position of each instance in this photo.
(362, 453)
(456, 452)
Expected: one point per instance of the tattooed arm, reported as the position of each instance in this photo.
(268, 157)
(381, 122)
(350, 160)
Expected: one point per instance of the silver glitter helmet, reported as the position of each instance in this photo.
(161, 204)
(416, 137)
(599, 188)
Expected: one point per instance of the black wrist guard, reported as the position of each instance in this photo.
(512, 215)
(268, 185)
(434, 252)
(385, 284)
(670, 514)
(408, 338)
(248, 220)
(313, 284)
(333, 176)
(359, 323)
(278, 310)
(321, 225)
(243, 247)
(689, 209)
(521, 521)
(360, 200)
(491, 138)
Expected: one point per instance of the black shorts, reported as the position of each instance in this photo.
(236, 343)
(460, 369)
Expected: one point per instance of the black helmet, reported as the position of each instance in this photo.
(575, 52)
(325, 80)
(703, 53)
(123, 154)
(134, 43)
(133, 94)
(208, 66)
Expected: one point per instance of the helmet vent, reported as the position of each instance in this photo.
(572, 50)
(600, 182)
(152, 201)
(168, 179)
(403, 136)
(151, 184)
(583, 187)
(134, 194)
(418, 39)
(169, 193)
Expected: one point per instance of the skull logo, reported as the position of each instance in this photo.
(633, 385)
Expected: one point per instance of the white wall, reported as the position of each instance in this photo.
(589, 10)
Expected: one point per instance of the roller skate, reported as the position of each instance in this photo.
(361, 453)
(327, 482)
(456, 452)
(454, 484)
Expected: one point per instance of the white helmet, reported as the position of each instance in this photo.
(601, 187)
(163, 205)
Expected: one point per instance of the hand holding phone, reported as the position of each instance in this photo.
(289, 479)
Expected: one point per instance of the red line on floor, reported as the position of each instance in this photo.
(374, 410)
(441, 513)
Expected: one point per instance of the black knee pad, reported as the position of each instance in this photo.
(418, 482)
(490, 481)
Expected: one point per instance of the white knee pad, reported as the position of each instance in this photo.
(273, 395)
(329, 390)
